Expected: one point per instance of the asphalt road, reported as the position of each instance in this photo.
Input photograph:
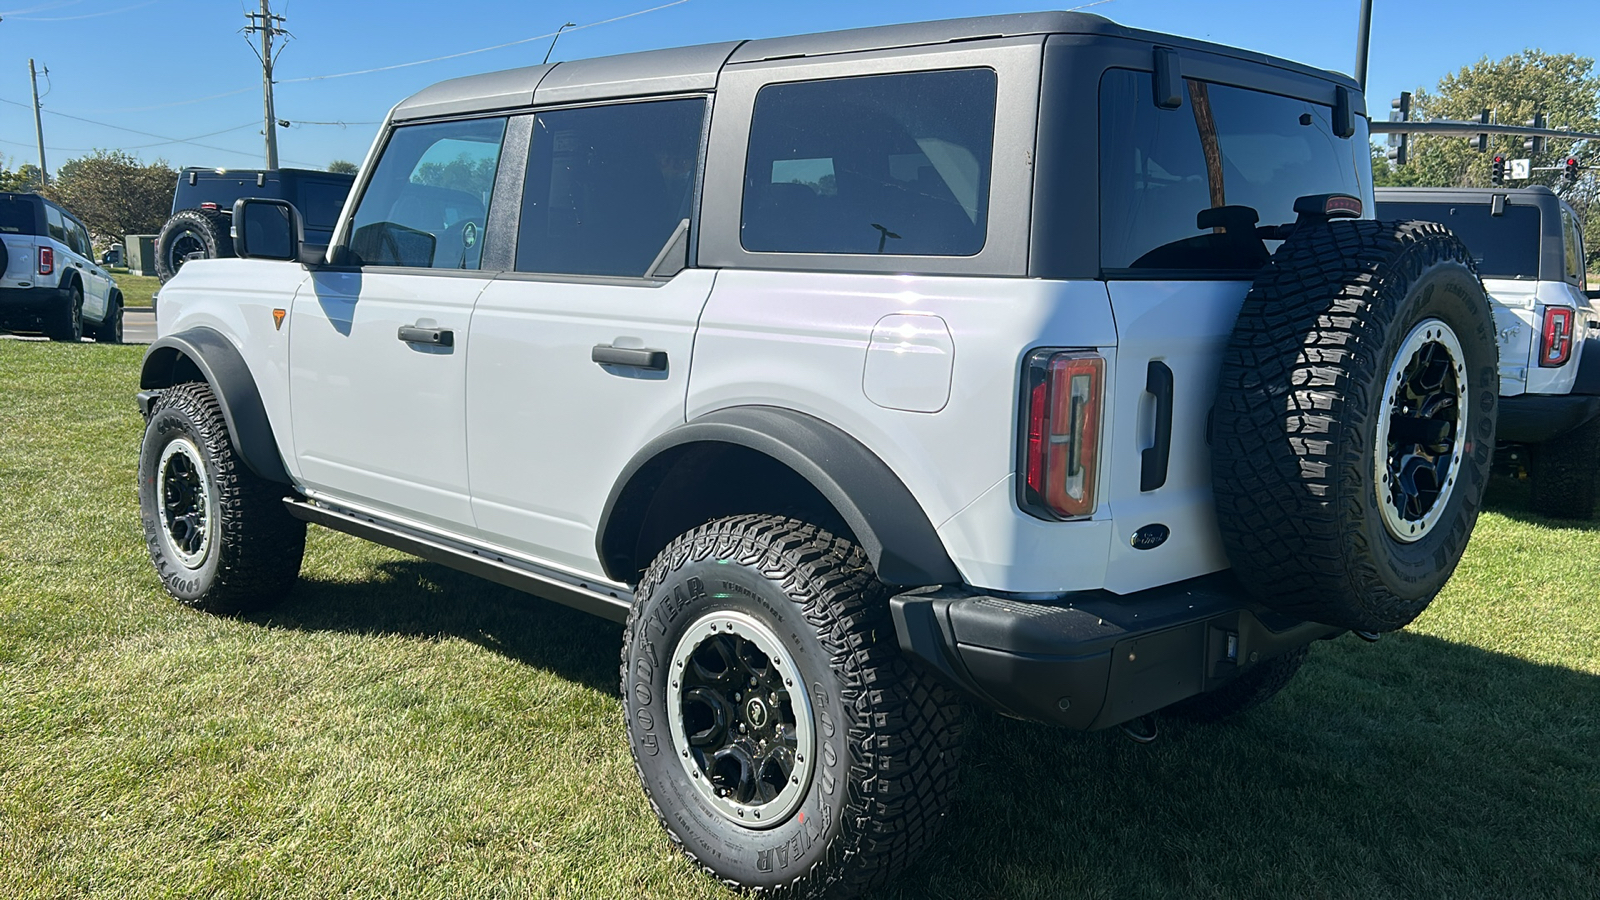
(138, 327)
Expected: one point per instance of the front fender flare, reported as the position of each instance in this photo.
(888, 522)
(224, 369)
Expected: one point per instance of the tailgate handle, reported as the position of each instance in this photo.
(641, 358)
(1153, 468)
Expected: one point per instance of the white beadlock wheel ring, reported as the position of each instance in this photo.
(1422, 427)
(183, 492)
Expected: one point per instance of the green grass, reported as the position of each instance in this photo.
(136, 289)
(397, 730)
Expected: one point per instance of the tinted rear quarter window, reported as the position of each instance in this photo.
(18, 216)
(1237, 155)
(895, 164)
(1505, 246)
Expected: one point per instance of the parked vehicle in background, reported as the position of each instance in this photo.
(1030, 359)
(202, 209)
(49, 281)
(112, 257)
(1527, 245)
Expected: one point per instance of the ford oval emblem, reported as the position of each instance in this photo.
(1151, 537)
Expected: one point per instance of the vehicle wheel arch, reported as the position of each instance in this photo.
(768, 457)
(205, 354)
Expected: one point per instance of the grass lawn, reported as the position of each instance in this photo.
(397, 730)
(136, 289)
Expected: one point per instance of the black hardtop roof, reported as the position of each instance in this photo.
(696, 68)
(232, 173)
(1535, 195)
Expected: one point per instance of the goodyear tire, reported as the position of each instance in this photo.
(783, 741)
(218, 534)
(1564, 472)
(192, 234)
(1355, 422)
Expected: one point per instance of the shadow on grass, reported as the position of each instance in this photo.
(413, 598)
(1413, 768)
(1509, 497)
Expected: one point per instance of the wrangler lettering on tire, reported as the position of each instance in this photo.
(1355, 422)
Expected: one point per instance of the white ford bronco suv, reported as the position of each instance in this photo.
(1528, 249)
(1028, 359)
(48, 278)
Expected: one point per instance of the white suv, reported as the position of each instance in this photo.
(48, 278)
(1027, 359)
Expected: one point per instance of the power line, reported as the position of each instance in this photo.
(139, 146)
(163, 138)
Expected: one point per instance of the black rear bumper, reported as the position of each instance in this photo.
(1536, 418)
(1096, 659)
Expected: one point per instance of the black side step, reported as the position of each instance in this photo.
(596, 599)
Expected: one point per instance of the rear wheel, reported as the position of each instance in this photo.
(65, 322)
(782, 739)
(1564, 473)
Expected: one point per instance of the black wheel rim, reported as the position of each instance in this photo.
(1421, 430)
(185, 246)
(184, 495)
(741, 719)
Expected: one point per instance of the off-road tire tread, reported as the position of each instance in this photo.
(1293, 377)
(1251, 689)
(261, 545)
(1564, 472)
(906, 729)
(219, 223)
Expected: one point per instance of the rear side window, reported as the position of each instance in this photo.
(78, 239)
(1504, 246)
(894, 164)
(1574, 249)
(428, 201)
(1228, 156)
(58, 228)
(608, 187)
(18, 217)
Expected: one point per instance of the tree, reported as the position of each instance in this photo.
(343, 167)
(115, 194)
(1563, 86)
(24, 179)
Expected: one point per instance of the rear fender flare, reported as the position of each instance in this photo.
(223, 367)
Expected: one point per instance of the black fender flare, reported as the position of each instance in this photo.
(888, 522)
(1588, 381)
(224, 369)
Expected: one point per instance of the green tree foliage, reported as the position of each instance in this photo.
(23, 179)
(1563, 86)
(343, 167)
(467, 173)
(115, 194)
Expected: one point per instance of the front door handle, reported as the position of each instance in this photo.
(442, 337)
(635, 358)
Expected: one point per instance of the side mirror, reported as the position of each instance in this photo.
(267, 229)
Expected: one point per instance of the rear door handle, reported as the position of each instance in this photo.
(442, 337)
(1153, 462)
(640, 358)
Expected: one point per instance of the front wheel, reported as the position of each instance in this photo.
(783, 741)
(218, 534)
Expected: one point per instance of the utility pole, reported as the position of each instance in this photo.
(38, 124)
(1362, 42)
(267, 25)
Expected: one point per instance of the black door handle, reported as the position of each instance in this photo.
(1153, 462)
(442, 337)
(642, 358)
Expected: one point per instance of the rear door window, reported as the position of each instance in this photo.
(893, 164)
(1181, 190)
(1574, 249)
(428, 201)
(58, 227)
(18, 217)
(1504, 246)
(608, 187)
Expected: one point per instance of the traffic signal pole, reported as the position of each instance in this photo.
(1363, 40)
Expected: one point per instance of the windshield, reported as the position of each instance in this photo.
(18, 216)
(1504, 246)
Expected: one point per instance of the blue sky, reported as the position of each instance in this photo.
(110, 60)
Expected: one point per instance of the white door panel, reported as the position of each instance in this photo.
(548, 429)
(1185, 326)
(378, 420)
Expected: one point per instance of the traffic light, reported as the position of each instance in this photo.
(1401, 107)
(1399, 111)
(1534, 145)
(1483, 139)
(1497, 172)
(1571, 171)
(1397, 153)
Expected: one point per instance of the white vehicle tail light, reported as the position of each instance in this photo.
(1064, 394)
(47, 260)
(1555, 347)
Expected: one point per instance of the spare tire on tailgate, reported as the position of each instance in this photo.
(1355, 421)
(192, 234)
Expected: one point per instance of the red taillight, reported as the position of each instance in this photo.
(1065, 391)
(47, 260)
(1556, 346)
(210, 206)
